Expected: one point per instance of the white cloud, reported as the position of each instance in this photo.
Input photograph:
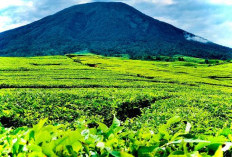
(162, 2)
(7, 23)
(3, 22)
(214, 32)
(9, 3)
(220, 34)
(157, 2)
(9, 19)
(221, 2)
(83, 1)
(195, 38)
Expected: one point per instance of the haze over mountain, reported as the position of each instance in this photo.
(105, 28)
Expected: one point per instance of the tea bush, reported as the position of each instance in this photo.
(172, 139)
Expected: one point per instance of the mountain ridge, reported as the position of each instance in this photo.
(106, 28)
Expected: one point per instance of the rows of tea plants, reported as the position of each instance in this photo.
(153, 91)
(143, 94)
(61, 72)
(97, 71)
(179, 72)
(26, 107)
(150, 106)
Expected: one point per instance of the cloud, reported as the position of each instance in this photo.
(156, 2)
(221, 2)
(4, 20)
(209, 19)
(202, 18)
(162, 2)
(7, 23)
(10, 3)
(220, 33)
(83, 1)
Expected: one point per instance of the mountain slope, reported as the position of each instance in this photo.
(105, 28)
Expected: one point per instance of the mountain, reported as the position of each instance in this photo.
(106, 28)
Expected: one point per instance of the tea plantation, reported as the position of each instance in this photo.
(65, 106)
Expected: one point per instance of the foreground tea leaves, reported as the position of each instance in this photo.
(172, 139)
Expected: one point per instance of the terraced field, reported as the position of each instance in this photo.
(65, 88)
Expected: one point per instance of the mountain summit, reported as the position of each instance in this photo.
(106, 28)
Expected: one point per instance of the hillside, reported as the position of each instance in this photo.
(107, 29)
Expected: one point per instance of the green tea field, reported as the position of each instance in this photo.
(141, 94)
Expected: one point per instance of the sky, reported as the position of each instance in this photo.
(210, 19)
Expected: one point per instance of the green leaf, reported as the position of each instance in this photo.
(86, 148)
(226, 132)
(40, 124)
(97, 138)
(124, 154)
(214, 147)
(34, 148)
(115, 154)
(194, 154)
(31, 135)
(35, 154)
(47, 149)
(201, 145)
(103, 127)
(177, 153)
(77, 146)
(115, 123)
(70, 149)
(42, 136)
(16, 146)
(219, 152)
(146, 151)
(113, 128)
(173, 120)
(178, 156)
